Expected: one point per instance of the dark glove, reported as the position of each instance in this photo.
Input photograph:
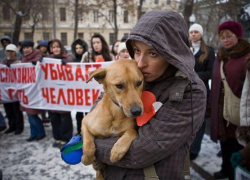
(64, 62)
(41, 59)
(33, 62)
(8, 64)
(235, 159)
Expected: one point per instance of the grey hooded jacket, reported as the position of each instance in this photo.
(165, 140)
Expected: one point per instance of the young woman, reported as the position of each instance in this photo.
(100, 50)
(204, 60)
(233, 55)
(36, 126)
(78, 48)
(61, 121)
(159, 44)
(114, 49)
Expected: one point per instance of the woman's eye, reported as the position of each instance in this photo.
(153, 54)
(137, 51)
(119, 86)
(138, 83)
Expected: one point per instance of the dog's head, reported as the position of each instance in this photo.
(123, 82)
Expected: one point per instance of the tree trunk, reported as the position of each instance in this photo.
(115, 20)
(76, 19)
(18, 21)
(188, 10)
(139, 9)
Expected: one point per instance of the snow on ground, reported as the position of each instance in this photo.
(21, 160)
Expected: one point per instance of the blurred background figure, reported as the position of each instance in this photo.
(204, 60)
(122, 51)
(5, 40)
(37, 131)
(78, 48)
(99, 50)
(115, 48)
(14, 115)
(42, 46)
(232, 54)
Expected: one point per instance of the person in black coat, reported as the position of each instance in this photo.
(204, 59)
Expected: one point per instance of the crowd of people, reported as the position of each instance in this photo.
(177, 65)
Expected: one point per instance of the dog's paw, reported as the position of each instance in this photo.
(87, 160)
(97, 165)
(116, 155)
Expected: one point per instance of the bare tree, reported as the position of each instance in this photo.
(20, 8)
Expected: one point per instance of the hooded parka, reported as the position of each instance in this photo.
(165, 140)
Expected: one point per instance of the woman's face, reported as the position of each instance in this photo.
(228, 39)
(124, 54)
(97, 45)
(27, 50)
(149, 61)
(194, 36)
(56, 48)
(116, 45)
(10, 54)
(79, 49)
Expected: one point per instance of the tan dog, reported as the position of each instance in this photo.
(115, 113)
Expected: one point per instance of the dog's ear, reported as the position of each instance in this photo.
(98, 74)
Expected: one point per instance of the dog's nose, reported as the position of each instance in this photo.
(136, 111)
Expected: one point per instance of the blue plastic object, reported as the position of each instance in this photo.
(71, 152)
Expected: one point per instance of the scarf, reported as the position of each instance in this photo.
(158, 86)
(195, 47)
(240, 49)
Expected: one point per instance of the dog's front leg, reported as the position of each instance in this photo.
(122, 145)
(88, 146)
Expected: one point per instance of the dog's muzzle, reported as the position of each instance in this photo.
(136, 111)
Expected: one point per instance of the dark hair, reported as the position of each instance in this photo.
(61, 46)
(112, 49)
(204, 49)
(27, 43)
(105, 48)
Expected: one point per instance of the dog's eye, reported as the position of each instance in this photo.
(119, 86)
(139, 83)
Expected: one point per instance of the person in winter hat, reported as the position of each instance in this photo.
(231, 57)
(42, 46)
(159, 44)
(204, 60)
(5, 40)
(14, 115)
(122, 51)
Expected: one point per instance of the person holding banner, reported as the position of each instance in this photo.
(228, 76)
(78, 48)
(61, 121)
(37, 131)
(14, 115)
(159, 43)
(100, 50)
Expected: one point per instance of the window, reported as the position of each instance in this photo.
(81, 35)
(111, 38)
(111, 15)
(96, 15)
(168, 2)
(28, 36)
(46, 36)
(7, 34)
(45, 14)
(62, 14)
(64, 39)
(125, 17)
(6, 12)
(156, 1)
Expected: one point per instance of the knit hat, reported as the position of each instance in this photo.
(196, 27)
(121, 47)
(11, 47)
(42, 43)
(27, 43)
(233, 26)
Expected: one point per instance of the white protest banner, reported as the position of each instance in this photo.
(241, 173)
(51, 85)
